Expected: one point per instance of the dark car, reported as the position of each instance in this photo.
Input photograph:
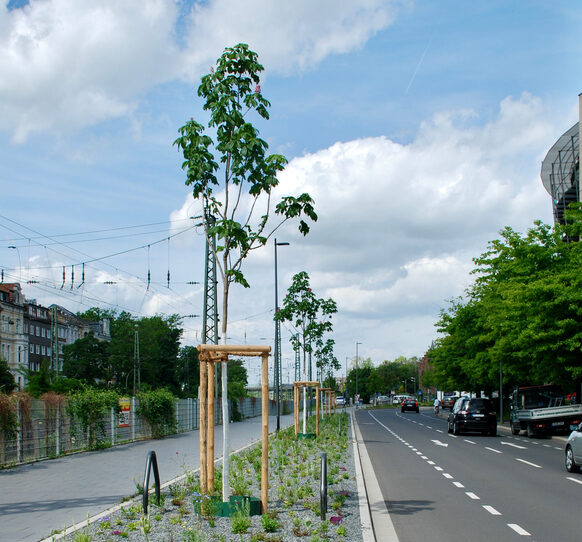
(473, 415)
(448, 402)
(409, 404)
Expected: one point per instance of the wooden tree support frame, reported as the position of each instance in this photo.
(209, 354)
(329, 399)
(297, 386)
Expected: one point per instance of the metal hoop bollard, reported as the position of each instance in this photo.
(151, 461)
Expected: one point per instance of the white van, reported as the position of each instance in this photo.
(397, 399)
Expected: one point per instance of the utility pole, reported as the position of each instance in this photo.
(136, 362)
(210, 311)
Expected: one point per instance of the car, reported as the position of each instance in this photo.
(340, 400)
(382, 400)
(475, 414)
(573, 450)
(409, 404)
(448, 401)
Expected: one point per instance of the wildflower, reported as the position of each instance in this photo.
(336, 520)
(116, 532)
(258, 89)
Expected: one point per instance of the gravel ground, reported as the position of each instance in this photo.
(294, 498)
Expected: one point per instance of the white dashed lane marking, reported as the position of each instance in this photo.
(528, 463)
(519, 530)
(491, 510)
(494, 512)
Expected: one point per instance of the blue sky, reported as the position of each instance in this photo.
(419, 128)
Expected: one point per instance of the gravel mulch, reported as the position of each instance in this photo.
(294, 498)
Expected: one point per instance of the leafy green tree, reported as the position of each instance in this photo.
(7, 383)
(522, 315)
(187, 372)
(237, 208)
(86, 359)
(311, 317)
(159, 344)
(39, 382)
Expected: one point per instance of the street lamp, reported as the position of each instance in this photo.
(357, 343)
(19, 262)
(277, 341)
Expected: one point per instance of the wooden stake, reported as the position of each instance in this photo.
(317, 401)
(210, 458)
(202, 399)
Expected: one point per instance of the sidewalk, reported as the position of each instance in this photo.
(54, 494)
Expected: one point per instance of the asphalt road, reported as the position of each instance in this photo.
(440, 487)
(54, 494)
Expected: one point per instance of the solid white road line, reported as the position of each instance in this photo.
(528, 463)
(519, 530)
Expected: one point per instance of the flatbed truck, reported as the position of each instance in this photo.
(542, 411)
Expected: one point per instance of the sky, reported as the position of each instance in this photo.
(418, 127)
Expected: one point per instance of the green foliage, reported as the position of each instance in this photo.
(7, 383)
(311, 316)
(39, 382)
(270, 522)
(240, 520)
(90, 408)
(8, 416)
(188, 371)
(86, 360)
(231, 94)
(158, 409)
(523, 313)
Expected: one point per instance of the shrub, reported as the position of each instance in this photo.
(8, 417)
(158, 409)
(90, 408)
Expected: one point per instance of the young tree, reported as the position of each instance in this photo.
(239, 202)
(311, 316)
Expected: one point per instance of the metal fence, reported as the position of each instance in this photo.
(47, 430)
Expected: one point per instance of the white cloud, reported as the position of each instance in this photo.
(66, 64)
(73, 63)
(287, 35)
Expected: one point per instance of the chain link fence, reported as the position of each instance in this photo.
(46, 430)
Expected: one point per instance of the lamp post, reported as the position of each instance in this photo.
(19, 262)
(357, 343)
(277, 341)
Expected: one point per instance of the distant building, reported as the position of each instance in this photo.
(31, 333)
(561, 170)
(13, 340)
(37, 327)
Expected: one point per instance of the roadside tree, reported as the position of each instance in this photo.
(233, 177)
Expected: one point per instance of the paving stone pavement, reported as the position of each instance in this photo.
(53, 494)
